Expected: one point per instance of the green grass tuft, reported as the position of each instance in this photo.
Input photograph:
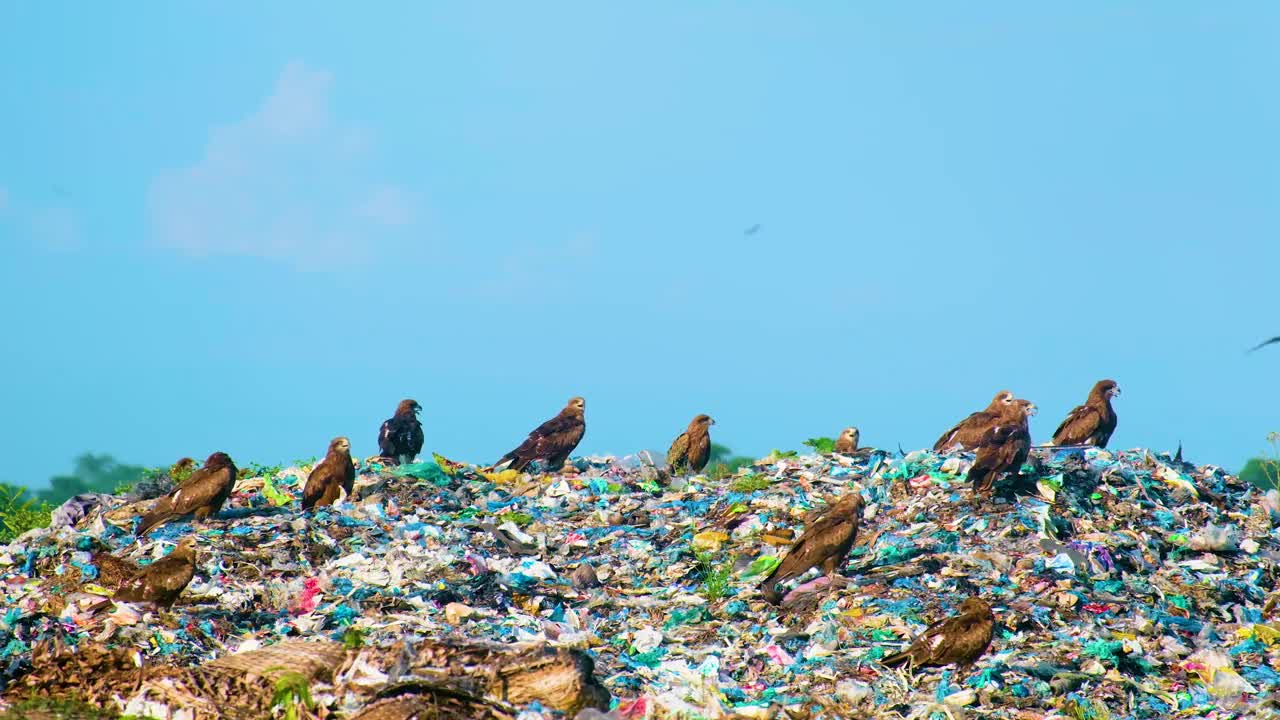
(715, 577)
(750, 483)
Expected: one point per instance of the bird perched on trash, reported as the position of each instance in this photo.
(848, 440)
(112, 570)
(825, 543)
(958, 640)
(1004, 447)
(968, 432)
(201, 495)
(1093, 422)
(162, 581)
(400, 437)
(552, 441)
(335, 472)
(691, 449)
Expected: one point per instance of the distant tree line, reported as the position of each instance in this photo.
(94, 472)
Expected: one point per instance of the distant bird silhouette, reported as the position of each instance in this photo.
(1263, 344)
(756, 228)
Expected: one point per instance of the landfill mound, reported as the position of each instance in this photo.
(1125, 585)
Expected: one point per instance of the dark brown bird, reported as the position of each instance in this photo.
(691, 449)
(162, 581)
(552, 441)
(848, 440)
(1003, 447)
(112, 570)
(332, 474)
(968, 432)
(958, 640)
(400, 437)
(825, 543)
(1093, 422)
(201, 495)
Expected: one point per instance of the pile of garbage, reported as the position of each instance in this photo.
(1125, 585)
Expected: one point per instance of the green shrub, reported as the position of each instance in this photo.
(20, 513)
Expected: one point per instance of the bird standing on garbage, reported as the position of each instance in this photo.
(162, 581)
(332, 474)
(691, 449)
(201, 495)
(552, 441)
(1004, 447)
(960, 639)
(848, 440)
(967, 433)
(825, 543)
(1093, 422)
(400, 437)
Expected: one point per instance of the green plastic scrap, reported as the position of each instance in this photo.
(1104, 650)
(428, 471)
(762, 565)
(275, 496)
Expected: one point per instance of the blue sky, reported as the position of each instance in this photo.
(243, 228)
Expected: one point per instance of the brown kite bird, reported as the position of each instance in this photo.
(1093, 422)
(201, 495)
(968, 432)
(552, 441)
(825, 543)
(112, 570)
(848, 440)
(959, 640)
(1004, 447)
(332, 474)
(690, 451)
(400, 437)
(162, 581)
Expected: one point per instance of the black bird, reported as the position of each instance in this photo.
(400, 438)
(1263, 344)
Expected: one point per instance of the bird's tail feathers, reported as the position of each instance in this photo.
(896, 659)
(152, 520)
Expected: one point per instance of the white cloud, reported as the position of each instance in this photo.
(287, 182)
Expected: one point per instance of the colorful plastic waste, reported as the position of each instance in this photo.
(1125, 584)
